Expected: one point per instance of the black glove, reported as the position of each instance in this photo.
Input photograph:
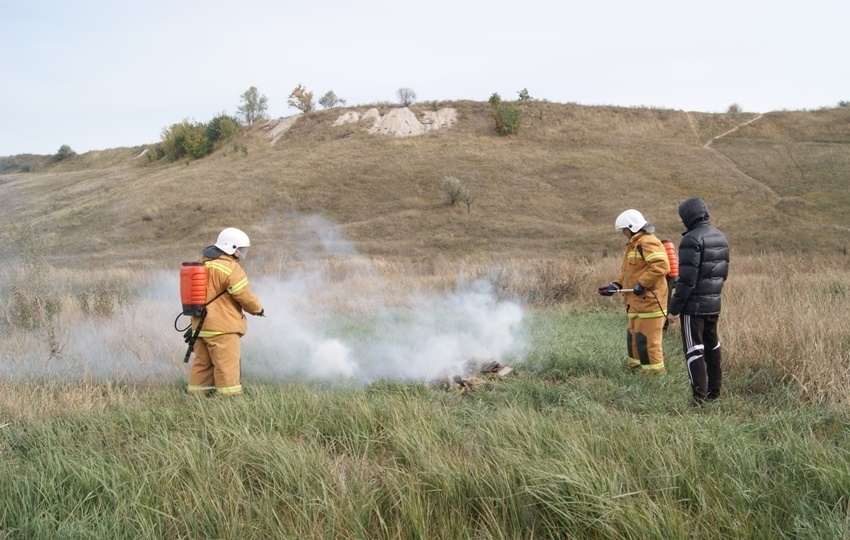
(187, 335)
(639, 289)
(608, 290)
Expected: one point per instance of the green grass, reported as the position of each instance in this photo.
(572, 444)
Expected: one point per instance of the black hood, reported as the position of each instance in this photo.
(693, 212)
(212, 252)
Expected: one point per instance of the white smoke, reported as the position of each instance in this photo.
(346, 323)
(434, 337)
(323, 327)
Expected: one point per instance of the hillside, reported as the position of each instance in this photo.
(778, 183)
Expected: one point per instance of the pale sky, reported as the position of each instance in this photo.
(98, 74)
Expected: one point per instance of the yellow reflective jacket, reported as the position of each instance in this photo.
(645, 262)
(224, 315)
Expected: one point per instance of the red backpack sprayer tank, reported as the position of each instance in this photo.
(193, 296)
(193, 288)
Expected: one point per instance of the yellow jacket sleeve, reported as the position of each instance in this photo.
(225, 313)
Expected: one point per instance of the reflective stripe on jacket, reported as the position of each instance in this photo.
(224, 315)
(645, 262)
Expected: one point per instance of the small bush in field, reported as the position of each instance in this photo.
(33, 310)
(495, 100)
(453, 188)
(734, 109)
(508, 119)
(103, 300)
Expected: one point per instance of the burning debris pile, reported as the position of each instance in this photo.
(477, 375)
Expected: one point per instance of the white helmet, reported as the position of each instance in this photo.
(631, 220)
(230, 239)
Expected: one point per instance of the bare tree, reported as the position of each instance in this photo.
(468, 197)
(406, 96)
(330, 100)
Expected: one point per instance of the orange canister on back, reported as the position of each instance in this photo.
(193, 287)
(672, 258)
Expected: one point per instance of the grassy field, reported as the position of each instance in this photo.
(571, 445)
(374, 290)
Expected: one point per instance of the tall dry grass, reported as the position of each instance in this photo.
(783, 319)
(554, 188)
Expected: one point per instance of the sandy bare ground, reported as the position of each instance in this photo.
(400, 122)
(277, 128)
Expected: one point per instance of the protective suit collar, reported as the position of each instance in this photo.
(212, 252)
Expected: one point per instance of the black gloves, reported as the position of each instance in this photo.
(609, 290)
(187, 335)
(639, 289)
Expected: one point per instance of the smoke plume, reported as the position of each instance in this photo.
(330, 316)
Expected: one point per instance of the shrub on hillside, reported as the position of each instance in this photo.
(508, 119)
(220, 128)
(64, 152)
(184, 139)
(9, 164)
(495, 100)
(453, 188)
(734, 109)
(195, 139)
(456, 191)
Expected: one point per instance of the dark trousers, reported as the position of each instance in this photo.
(702, 355)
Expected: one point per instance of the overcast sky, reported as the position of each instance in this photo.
(97, 74)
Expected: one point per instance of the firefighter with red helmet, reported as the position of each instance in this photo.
(643, 283)
(217, 362)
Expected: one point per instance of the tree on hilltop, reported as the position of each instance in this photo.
(301, 99)
(406, 96)
(64, 152)
(253, 106)
(330, 100)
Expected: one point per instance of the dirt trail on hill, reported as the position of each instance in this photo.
(728, 161)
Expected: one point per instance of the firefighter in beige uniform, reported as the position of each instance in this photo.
(217, 363)
(645, 267)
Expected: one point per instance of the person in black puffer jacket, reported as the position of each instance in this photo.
(703, 268)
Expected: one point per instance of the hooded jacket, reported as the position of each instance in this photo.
(703, 263)
(224, 315)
